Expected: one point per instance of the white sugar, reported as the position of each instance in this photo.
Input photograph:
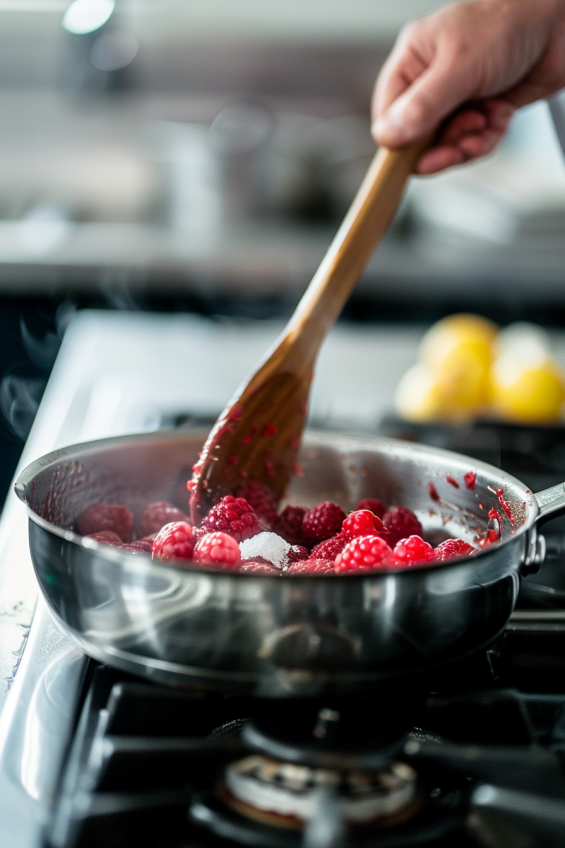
(269, 546)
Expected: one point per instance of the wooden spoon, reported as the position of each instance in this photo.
(258, 434)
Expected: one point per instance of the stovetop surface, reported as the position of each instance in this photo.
(89, 756)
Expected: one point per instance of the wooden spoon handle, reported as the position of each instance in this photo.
(363, 227)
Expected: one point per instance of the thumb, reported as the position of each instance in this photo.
(423, 105)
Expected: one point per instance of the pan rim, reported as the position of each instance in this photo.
(319, 438)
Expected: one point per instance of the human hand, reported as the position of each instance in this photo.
(465, 69)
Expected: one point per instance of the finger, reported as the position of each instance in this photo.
(467, 121)
(439, 159)
(404, 65)
(499, 113)
(422, 106)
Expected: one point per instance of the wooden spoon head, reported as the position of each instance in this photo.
(257, 437)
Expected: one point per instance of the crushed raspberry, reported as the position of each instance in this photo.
(234, 516)
(401, 523)
(106, 537)
(453, 548)
(263, 501)
(217, 549)
(99, 517)
(373, 505)
(322, 521)
(363, 552)
(312, 566)
(173, 541)
(289, 524)
(156, 515)
(330, 548)
(258, 568)
(297, 553)
(362, 522)
(411, 550)
(470, 479)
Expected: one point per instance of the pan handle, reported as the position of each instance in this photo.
(551, 503)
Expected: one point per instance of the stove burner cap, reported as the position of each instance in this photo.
(288, 795)
(356, 734)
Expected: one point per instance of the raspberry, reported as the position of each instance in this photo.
(412, 550)
(217, 549)
(173, 541)
(233, 516)
(312, 566)
(373, 505)
(253, 567)
(99, 517)
(156, 515)
(362, 522)
(330, 548)
(263, 501)
(296, 554)
(322, 521)
(363, 552)
(105, 537)
(452, 548)
(289, 524)
(401, 523)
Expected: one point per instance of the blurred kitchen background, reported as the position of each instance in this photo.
(182, 156)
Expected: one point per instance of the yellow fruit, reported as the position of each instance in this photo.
(417, 395)
(456, 339)
(528, 391)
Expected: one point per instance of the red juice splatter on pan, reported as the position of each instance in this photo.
(503, 503)
(433, 493)
(470, 479)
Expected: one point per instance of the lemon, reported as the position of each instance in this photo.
(456, 338)
(527, 390)
(417, 395)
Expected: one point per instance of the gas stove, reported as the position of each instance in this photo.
(471, 756)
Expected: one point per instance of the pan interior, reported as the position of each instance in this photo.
(136, 471)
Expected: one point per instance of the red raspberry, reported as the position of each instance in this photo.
(156, 515)
(99, 517)
(253, 567)
(289, 524)
(296, 554)
(373, 505)
(105, 537)
(322, 521)
(401, 523)
(412, 550)
(312, 566)
(218, 549)
(173, 541)
(362, 522)
(453, 548)
(363, 553)
(262, 499)
(330, 548)
(233, 516)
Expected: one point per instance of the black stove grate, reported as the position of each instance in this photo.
(142, 755)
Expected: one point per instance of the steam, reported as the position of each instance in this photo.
(40, 350)
(19, 400)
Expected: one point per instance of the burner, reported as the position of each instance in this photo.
(287, 795)
(357, 733)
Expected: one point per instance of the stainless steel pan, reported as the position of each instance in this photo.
(280, 635)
